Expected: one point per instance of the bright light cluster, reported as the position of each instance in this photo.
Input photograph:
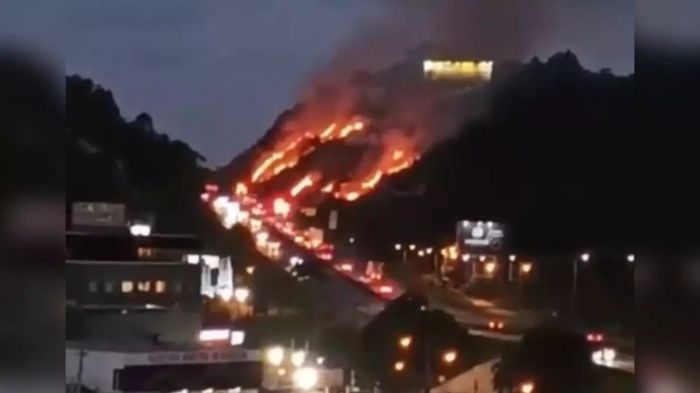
(445, 69)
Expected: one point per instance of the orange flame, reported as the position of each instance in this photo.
(351, 196)
(372, 182)
(281, 207)
(287, 155)
(307, 181)
(241, 189)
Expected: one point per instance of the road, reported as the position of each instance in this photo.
(343, 288)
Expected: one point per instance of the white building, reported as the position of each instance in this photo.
(153, 369)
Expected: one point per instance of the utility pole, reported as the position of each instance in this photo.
(79, 385)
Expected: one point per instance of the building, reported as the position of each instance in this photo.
(125, 283)
(148, 368)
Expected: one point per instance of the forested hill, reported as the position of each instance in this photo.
(110, 158)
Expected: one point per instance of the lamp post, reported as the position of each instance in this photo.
(584, 257)
(400, 247)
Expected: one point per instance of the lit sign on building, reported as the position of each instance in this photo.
(479, 234)
(457, 70)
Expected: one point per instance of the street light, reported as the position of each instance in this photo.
(429, 250)
(490, 267)
(584, 257)
(511, 257)
(450, 356)
(250, 269)
(421, 253)
(351, 240)
(465, 257)
(399, 366)
(525, 267)
(412, 247)
(630, 258)
(527, 387)
(397, 247)
(405, 341)
(305, 378)
(275, 355)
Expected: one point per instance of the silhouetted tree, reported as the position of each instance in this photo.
(554, 358)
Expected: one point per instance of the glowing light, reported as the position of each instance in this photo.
(421, 253)
(241, 189)
(526, 267)
(275, 355)
(386, 289)
(328, 188)
(298, 358)
(399, 366)
(241, 294)
(260, 170)
(630, 258)
(214, 335)
(405, 341)
(397, 155)
(372, 181)
(490, 267)
(397, 247)
(527, 387)
(281, 207)
(465, 70)
(307, 181)
(237, 337)
(351, 196)
(511, 257)
(140, 230)
(326, 134)
(585, 257)
(250, 269)
(305, 378)
(449, 356)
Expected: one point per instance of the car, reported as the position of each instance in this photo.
(595, 337)
(496, 325)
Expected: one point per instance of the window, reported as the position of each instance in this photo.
(127, 286)
(109, 287)
(160, 286)
(144, 286)
(92, 286)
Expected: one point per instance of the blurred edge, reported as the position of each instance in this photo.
(31, 223)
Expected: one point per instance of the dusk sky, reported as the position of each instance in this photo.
(216, 74)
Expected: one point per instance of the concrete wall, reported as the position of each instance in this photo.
(98, 368)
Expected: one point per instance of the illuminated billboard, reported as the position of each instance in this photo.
(479, 234)
(457, 70)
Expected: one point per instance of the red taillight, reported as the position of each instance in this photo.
(599, 338)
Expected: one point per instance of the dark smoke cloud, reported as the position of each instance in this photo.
(487, 29)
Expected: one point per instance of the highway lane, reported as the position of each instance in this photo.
(355, 302)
